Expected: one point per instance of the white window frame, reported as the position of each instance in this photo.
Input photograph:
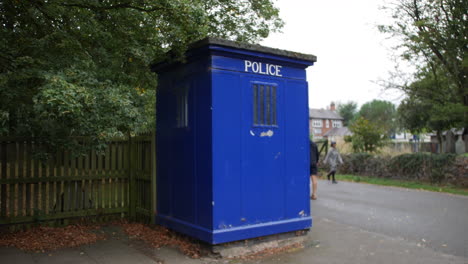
(336, 123)
(317, 123)
(327, 123)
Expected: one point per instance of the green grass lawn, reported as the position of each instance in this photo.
(403, 184)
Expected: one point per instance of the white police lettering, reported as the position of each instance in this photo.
(262, 68)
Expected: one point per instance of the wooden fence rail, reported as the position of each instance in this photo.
(115, 183)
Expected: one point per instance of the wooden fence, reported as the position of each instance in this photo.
(117, 183)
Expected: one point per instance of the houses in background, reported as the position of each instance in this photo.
(328, 124)
(337, 133)
(325, 123)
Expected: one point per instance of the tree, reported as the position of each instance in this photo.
(347, 111)
(367, 136)
(81, 68)
(381, 113)
(425, 108)
(432, 35)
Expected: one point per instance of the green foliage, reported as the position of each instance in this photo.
(434, 168)
(347, 111)
(410, 184)
(422, 165)
(355, 163)
(426, 108)
(81, 68)
(432, 36)
(381, 113)
(367, 136)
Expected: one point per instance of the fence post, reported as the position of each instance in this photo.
(131, 180)
(3, 175)
(153, 210)
(326, 146)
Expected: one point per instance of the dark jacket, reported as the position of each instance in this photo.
(314, 155)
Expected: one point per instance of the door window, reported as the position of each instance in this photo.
(264, 104)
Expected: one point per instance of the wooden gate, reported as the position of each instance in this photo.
(322, 146)
(142, 179)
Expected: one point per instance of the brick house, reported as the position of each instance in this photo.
(323, 120)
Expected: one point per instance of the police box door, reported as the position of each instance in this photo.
(263, 145)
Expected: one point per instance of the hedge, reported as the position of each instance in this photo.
(434, 168)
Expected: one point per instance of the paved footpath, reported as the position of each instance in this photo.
(333, 239)
(435, 220)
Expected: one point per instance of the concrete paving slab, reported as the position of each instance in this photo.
(64, 256)
(114, 251)
(14, 255)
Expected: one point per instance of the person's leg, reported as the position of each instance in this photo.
(328, 175)
(314, 187)
(333, 177)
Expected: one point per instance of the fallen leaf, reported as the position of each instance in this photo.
(50, 238)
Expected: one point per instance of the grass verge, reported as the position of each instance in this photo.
(404, 184)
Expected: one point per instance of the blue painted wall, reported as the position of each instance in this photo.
(221, 177)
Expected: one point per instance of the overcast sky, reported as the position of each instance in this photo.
(351, 54)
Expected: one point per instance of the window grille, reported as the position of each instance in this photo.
(182, 107)
(264, 105)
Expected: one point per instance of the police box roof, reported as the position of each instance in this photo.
(229, 44)
(253, 47)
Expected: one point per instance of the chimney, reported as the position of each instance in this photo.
(332, 106)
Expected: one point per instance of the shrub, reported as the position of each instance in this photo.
(355, 163)
(434, 168)
(367, 136)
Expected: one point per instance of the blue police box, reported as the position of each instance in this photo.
(233, 142)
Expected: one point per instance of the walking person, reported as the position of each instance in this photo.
(314, 158)
(332, 158)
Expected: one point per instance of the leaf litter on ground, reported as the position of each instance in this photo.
(158, 236)
(40, 239)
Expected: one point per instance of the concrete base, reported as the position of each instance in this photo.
(254, 245)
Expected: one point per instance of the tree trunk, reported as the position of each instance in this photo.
(439, 140)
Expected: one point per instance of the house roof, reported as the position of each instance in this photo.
(338, 132)
(324, 114)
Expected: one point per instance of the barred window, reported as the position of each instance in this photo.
(182, 107)
(264, 105)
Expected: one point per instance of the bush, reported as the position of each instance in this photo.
(367, 136)
(434, 168)
(355, 163)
